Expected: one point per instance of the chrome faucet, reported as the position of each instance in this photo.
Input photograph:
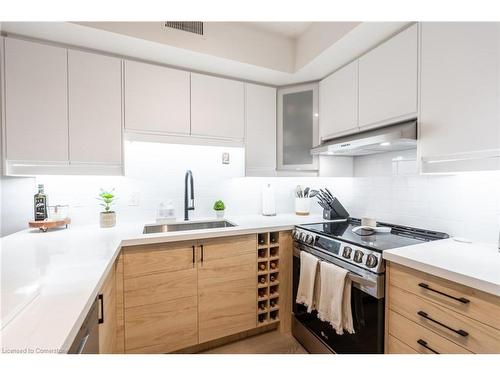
(188, 203)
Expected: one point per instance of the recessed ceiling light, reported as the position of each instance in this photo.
(385, 144)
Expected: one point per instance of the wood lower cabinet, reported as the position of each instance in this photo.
(226, 287)
(107, 314)
(160, 298)
(432, 315)
(177, 295)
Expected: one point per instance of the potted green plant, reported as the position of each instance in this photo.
(219, 208)
(107, 217)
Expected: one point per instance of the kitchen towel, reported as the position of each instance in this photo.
(332, 307)
(305, 291)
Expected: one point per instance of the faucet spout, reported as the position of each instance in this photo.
(188, 201)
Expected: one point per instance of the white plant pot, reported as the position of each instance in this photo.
(107, 219)
(219, 214)
(302, 206)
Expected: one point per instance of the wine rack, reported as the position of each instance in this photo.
(268, 278)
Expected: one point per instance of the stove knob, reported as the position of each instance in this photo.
(358, 256)
(309, 239)
(295, 234)
(346, 253)
(371, 261)
(302, 237)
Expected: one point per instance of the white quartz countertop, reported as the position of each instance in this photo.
(473, 264)
(67, 268)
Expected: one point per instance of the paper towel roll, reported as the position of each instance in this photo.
(268, 202)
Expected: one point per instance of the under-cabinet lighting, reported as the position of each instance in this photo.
(385, 144)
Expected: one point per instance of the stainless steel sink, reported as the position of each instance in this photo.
(159, 228)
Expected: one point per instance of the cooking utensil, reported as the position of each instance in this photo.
(313, 193)
(306, 192)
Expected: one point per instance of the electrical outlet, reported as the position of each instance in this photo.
(225, 158)
(133, 199)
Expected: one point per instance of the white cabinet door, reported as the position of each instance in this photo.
(36, 107)
(388, 81)
(260, 140)
(338, 102)
(95, 110)
(217, 107)
(156, 99)
(460, 86)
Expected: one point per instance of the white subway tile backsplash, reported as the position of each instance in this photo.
(385, 186)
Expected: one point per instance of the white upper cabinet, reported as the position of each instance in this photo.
(217, 107)
(95, 110)
(459, 121)
(260, 141)
(156, 99)
(338, 102)
(36, 107)
(388, 81)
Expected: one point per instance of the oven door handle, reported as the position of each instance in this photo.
(354, 277)
(360, 280)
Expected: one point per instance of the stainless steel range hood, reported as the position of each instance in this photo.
(397, 137)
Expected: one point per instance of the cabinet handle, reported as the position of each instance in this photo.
(459, 299)
(101, 302)
(424, 344)
(460, 332)
(194, 259)
(201, 253)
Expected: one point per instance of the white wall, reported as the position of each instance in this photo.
(385, 186)
(156, 172)
(389, 189)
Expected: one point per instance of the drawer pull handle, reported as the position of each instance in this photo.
(460, 299)
(460, 332)
(424, 344)
(194, 260)
(201, 253)
(101, 302)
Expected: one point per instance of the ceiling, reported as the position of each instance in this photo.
(287, 29)
(263, 53)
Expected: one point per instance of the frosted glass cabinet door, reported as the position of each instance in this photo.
(36, 108)
(297, 127)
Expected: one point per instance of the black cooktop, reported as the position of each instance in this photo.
(398, 237)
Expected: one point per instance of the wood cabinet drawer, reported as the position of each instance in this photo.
(475, 304)
(147, 259)
(420, 339)
(396, 346)
(466, 332)
(160, 287)
(218, 248)
(161, 327)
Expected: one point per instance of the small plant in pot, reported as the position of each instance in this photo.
(219, 208)
(107, 217)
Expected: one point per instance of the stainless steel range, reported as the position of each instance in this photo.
(359, 251)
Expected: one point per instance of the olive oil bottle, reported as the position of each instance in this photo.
(41, 204)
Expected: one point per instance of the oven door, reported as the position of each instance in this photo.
(367, 313)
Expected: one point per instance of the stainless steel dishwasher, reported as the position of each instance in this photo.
(87, 339)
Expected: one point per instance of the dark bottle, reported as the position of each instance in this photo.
(41, 204)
